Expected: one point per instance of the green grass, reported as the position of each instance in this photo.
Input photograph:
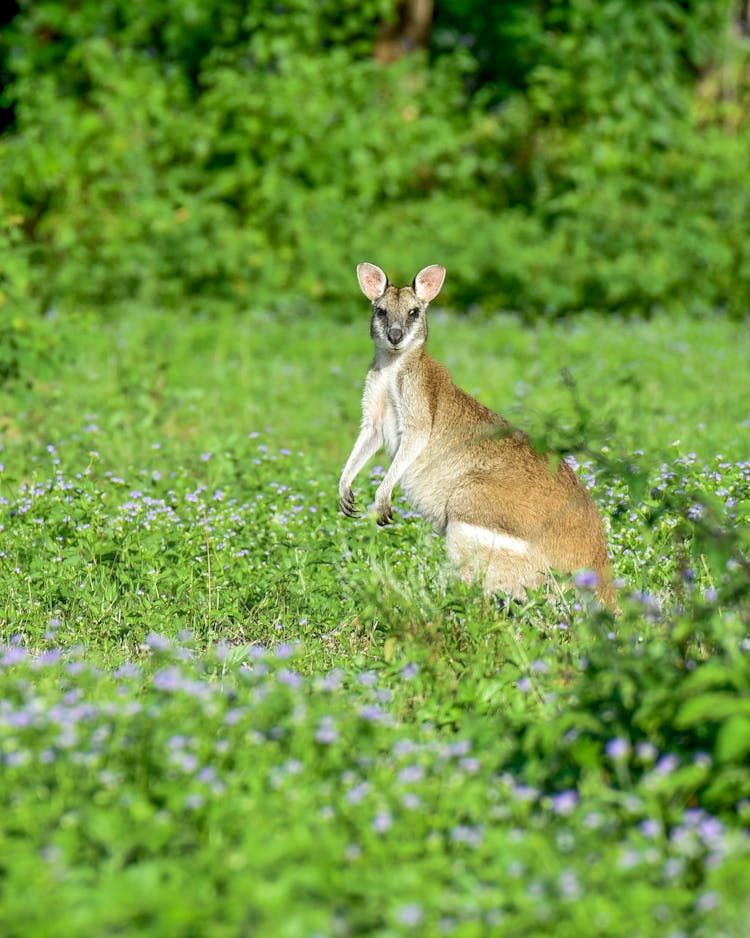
(226, 709)
(209, 382)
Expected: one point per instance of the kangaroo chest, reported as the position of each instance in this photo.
(383, 406)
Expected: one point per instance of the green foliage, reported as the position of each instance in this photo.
(211, 155)
(225, 707)
(638, 195)
(523, 42)
(235, 792)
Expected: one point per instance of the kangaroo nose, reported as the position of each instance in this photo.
(395, 334)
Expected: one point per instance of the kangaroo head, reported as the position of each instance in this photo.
(399, 313)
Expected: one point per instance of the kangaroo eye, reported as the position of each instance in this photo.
(414, 313)
(379, 311)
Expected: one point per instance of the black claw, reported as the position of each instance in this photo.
(507, 605)
(346, 505)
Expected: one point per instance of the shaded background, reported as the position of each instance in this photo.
(197, 155)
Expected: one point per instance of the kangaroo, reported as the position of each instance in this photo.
(509, 514)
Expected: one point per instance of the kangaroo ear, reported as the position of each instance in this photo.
(372, 280)
(428, 282)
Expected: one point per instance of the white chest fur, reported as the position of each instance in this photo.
(382, 406)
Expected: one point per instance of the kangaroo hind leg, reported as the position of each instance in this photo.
(497, 560)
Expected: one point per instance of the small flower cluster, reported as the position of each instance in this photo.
(243, 739)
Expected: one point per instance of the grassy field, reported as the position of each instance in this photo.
(227, 710)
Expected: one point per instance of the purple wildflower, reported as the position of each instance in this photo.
(629, 859)
(411, 914)
(357, 793)
(411, 773)
(382, 822)
(13, 655)
(169, 679)
(128, 670)
(617, 749)
(367, 678)
(650, 828)
(372, 713)
(666, 765)
(465, 834)
(525, 793)
(289, 677)
(155, 642)
(185, 760)
(327, 732)
(470, 764)
(586, 579)
(564, 802)
(570, 888)
(16, 759)
(233, 716)
(707, 901)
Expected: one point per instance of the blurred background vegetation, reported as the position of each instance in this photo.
(556, 155)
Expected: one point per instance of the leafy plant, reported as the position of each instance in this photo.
(163, 155)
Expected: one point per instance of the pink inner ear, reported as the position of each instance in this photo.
(372, 280)
(428, 282)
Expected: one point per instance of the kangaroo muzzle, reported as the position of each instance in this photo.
(395, 334)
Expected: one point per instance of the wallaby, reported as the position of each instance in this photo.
(510, 514)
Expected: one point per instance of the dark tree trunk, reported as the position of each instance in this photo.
(410, 31)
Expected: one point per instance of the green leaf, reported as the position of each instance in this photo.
(733, 740)
(711, 708)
